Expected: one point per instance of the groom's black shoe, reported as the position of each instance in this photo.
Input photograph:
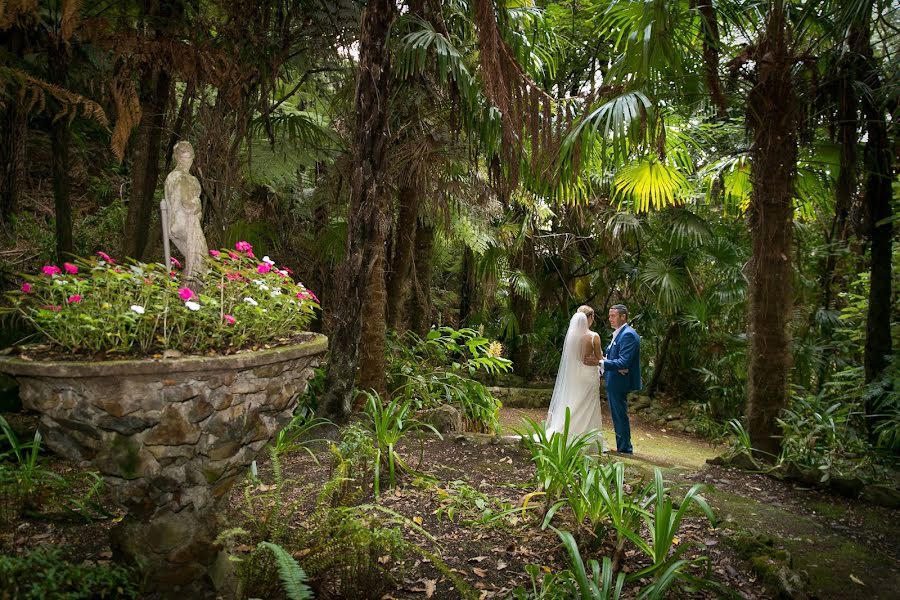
(616, 451)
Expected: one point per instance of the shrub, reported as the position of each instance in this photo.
(47, 572)
(438, 369)
(94, 305)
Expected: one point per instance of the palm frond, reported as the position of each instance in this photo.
(650, 184)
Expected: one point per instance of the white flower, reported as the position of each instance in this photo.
(251, 301)
(192, 305)
(275, 292)
(264, 287)
(266, 259)
(59, 281)
(138, 309)
(257, 281)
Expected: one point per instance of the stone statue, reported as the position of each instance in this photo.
(184, 212)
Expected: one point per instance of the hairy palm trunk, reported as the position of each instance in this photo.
(420, 299)
(372, 342)
(771, 118)
(711, 56)
(398, 278)
(145, 162)
(13, 137)
(366, 220)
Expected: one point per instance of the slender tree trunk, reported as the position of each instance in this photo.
(711, 56)
(14, 132)
(398, 278)
(366, 220)
(771, 118)
(145, 163)
(468, 288)
(60, 137)
(520, 346)
(420, 299)
(661, 359)
(878, 201)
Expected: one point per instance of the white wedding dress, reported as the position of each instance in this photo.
(577, 388)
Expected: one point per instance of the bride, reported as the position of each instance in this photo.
(577, 382)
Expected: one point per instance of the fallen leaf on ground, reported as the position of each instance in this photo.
(479, 572)
(856, 579)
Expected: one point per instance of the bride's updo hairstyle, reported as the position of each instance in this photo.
(587, 310)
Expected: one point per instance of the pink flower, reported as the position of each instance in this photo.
(70, 268)
(53, 307)
(263, 267)
(229, 319)
(185, 294)
(105, 256)
(26, 288)
(74, 299)
(243, 246)
(307, 295)
(215, 253)
(175, 262)
(288, 271)
(51, 270)
(233, 256)
(231, 276)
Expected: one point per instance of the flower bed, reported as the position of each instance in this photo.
(97, 306)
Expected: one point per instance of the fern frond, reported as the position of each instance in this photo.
(293, 577)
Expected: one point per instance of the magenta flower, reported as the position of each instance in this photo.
(175, 262)
(185, 294)
(26, 288)
(263, 267)
(229, 319)
(215, 253)
(233, 256)
(74, 299)
(51, 270)
(105, 256)
(70, 268)
(243, 246)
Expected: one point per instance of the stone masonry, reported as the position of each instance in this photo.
(170, 436)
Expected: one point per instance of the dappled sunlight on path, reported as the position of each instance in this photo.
(652, 444)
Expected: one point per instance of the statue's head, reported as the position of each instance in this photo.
(183, 153)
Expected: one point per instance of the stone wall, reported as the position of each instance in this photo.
(514, 397)
(170, 436)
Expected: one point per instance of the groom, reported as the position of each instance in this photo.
(622, 373)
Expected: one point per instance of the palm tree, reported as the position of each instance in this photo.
(366, 216)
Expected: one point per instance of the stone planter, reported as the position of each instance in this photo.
(170, 437)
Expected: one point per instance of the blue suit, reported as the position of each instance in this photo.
(623, 352)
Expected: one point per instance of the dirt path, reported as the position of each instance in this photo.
(839, 548)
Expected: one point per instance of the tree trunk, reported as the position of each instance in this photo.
(60, 136)
(661, 359)
(878, 201)
(468, 288)
(14, 131)
(366, 220)
(398, 278)
(711, 56)
(523, 308)
(145, 162)
(372, 364)
(771, 118)
(420, 299)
